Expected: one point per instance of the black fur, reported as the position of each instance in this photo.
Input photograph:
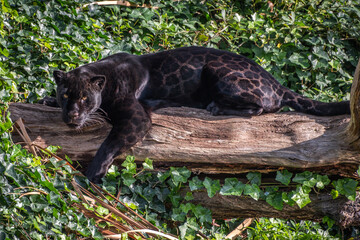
(126, 87)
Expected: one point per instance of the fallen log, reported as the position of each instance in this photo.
(224, 145)
(208, 144)
(346, 213)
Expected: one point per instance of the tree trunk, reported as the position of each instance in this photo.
(225, 145)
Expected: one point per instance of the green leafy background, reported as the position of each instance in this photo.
(310, 46)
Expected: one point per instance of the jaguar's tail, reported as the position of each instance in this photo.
(303, 104)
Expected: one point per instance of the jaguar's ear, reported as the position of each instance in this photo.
(98, 81)
(59, 76)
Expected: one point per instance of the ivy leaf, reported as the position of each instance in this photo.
(10, 172)
(102, 211)
(253, 191)
(36, 225)
(318, 51)
(301, 196)
(276, 200)
(284, 177)
(302, 177)
(50, 186)
(189, 196)
(178, 214)
(128, 179)
(232, 186)
(37, 206)
(113, 171)
(203, 214)
(254, 178)
(129, 164)
(187, 230)
(347, 187)
(162, 193)
(148, 193)
(334, 193)
(53, 198)
(212, 186)
(286, 197)
(317, 63)
(322, 181)
(179, 175)
(186, 207)
(195, 184)
(311, 180)
(299, 59)
(157, 205)
(175, 199)
(163, 176)
(330, 222)
(148, 164)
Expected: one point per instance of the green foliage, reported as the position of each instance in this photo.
(280, 229)
(212, 186)
(195, 184)
(275, 199)
(305, 183)
(232, 187)
(254, 178)
(129, 170)
(36, 201)
(284, 177)
(301, 196)
(253, 191)
(346, 187)
(311, 180)
(309, 46)
(179, 175)
(150, 194)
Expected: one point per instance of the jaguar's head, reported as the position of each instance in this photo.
(79, 95)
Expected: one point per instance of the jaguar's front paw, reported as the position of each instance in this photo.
(95, 175)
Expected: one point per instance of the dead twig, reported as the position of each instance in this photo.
(239, 229)
(121, 3)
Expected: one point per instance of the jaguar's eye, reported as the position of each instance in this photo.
(65, 95)
(84, 98)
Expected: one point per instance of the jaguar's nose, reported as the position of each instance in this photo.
(73, 114)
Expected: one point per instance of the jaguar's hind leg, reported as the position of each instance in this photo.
(217, 109)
